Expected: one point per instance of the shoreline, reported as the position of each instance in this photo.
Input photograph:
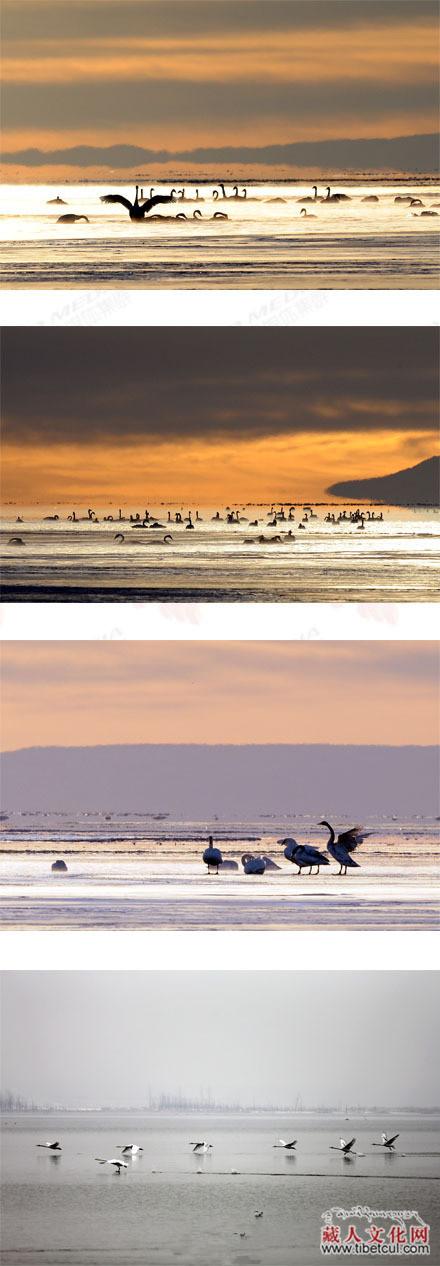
(341, 281)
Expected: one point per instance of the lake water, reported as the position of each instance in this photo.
(393, 560)
(263, 244)
(162, 1211)
(133, 871)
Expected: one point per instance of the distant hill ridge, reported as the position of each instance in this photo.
(416, 485)
(418, 153)
(194, 782)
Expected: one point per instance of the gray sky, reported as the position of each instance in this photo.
(105, 1037)
(82, 385)
(212, 414)
(174, 76)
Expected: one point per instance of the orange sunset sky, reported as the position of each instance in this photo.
(179, 74)
(140, 416)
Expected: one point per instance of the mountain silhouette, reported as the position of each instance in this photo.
(194, 781)
(416, 485)
(417, 153)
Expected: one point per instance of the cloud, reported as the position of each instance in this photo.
(123, 385)
(173, 102)
(133, 692)
(174, 75)
(60, 19)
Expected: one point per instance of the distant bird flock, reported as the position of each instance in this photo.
(139, 210)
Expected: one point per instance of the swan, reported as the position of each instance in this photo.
(218, 215)
(308, 199)
(386, 1142)
(138, 210)
(253, 865)
(335, 197)
(287, 1146)
(212, 856)
(130, 1149)
(303, 855)
(54, 202)
(418, 214)
(50, 518)
(344, 845)
(53, 1147)
(71, 219)
(310, 214)
(118, 1164)
(372, 197)
(343, 1146)
(59, 866)
(201, 1148)
(16, 540)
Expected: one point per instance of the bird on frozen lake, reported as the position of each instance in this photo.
(253, 865)
(303, 855)
(344, 845)
(53, 1147)
(212, 856)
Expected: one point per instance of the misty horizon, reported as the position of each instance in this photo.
(234, 1035)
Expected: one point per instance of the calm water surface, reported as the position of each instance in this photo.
(393, 560)
(162, 1210)
(264, 243)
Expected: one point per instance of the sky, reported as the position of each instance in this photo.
(81, 693)
(104, 416)
(175, 75)
(91, 1038)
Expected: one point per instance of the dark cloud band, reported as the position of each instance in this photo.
(117, 385)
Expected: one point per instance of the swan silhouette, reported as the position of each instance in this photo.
(303, 855)
(71, 219)
(335, 197)
(212, 856)
(341, 847)
(386, 1142)
(137, 210)
(308, 198)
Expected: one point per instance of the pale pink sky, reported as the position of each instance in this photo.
(226, 692)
